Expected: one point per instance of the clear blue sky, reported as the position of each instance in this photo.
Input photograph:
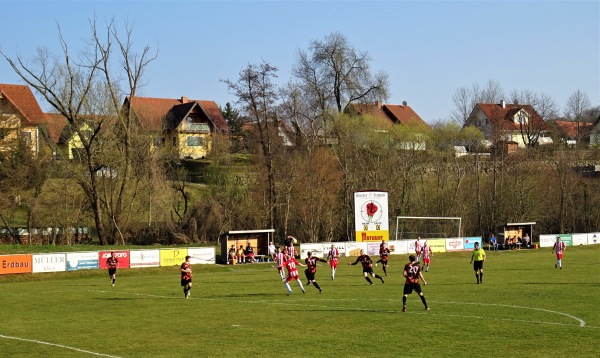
(428, 48)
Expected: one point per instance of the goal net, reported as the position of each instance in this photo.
(427, 227)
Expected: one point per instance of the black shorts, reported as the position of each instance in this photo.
(112, 271)
(368, 270)
(410, 287)
(309, 275)
(185, 282)
(477, 265)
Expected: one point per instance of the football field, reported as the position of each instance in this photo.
(525, 308)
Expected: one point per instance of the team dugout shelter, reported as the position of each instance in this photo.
(259, 239)
(514, 230)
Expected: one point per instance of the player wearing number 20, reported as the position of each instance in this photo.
(412, 272)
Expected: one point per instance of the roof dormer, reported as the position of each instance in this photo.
(521, 117)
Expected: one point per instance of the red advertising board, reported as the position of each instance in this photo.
(122, 256)
(15, 264)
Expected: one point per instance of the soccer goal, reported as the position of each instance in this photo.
(427, 227)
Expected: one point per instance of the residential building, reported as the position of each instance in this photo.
(181, 126)
(573, 132)
(22, 119)
(505, 122)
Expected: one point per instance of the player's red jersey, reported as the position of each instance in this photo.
(290, 265)
(311, 263)
(332, 256)
(412, 272)
(279, 258)
(384, 253)
(186, 275)
(559, 247)
(291, 250)
(417, 247)
(112, 263)
(426, 252)
(365, 260)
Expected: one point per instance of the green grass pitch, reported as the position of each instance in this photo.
(525, 308)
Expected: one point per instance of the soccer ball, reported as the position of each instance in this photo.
(294, 240)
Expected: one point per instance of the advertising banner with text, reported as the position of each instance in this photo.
(15, 264)
(371, 220)
(202, 255)
(172, 257)
(398, 247)
(455, 244)
(469, 242)
(593, 238)
(437, 245)
(122, 256)
(82, 260)
(49, 262)
(144, 258)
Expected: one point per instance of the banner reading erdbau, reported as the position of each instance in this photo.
(371, 219)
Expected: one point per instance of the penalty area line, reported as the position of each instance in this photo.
(57, 345)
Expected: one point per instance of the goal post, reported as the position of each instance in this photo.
(427, 227)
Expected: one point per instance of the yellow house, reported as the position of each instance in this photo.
(22, 119)
(67, 140)
(182, 126)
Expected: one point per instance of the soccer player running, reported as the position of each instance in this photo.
(290, 264)
(112, 263)
(311, 269)
(559, 247)
(333, 257)
(477, 259)
(279, 259)
(384, 254)
(418, 248)
(427, 253)
(186, 276)
(367, 265)
(412, 272)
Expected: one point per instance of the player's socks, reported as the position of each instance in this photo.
(379, 277)
(317, 286)
(300, 283)
(481, 277)
(477, 277)
(369, 280)
(424, 301)
(287, 285)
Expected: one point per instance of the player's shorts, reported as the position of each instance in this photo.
(384, 260)
(410, 287)
(478, 265)
(309, 275)
(333, 263)
(368, 270)
(427, 261)
(559, 256)
(185, 282)
(112, 271)
(291, 277)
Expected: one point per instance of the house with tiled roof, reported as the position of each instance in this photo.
(21, 118)
(595, 133)
(572, 132)
(503, 122)
(182, 126)
(391, 113)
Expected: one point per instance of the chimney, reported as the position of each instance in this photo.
(184, 99)
(379, 104)
(404, 103)
(503, 103)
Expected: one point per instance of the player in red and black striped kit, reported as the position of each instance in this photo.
(186, 276)
(412, 272)
(384, 253)
(367, 265)
(112, 263)
(311, 270)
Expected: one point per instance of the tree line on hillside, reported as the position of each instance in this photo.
(128, 192)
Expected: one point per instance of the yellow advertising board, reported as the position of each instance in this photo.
(15, 264)
(437, 245)
(372, 236)
(172, 257)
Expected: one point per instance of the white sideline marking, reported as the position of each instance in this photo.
(57, 345)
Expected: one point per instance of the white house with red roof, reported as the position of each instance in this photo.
(503, 122)
(182, 126)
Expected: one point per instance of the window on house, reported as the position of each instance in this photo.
(194, 141)
(174, 141)
(163, 141)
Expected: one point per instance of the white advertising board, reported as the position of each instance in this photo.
(144, 258)
(202, 255)
(82, 260)
(49, 263)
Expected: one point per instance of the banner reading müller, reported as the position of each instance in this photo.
(371, 215)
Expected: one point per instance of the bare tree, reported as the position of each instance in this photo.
(576, 105)
(543, 103)
(463, 103)
(258, 95)
(87, 92)
(334, 73)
